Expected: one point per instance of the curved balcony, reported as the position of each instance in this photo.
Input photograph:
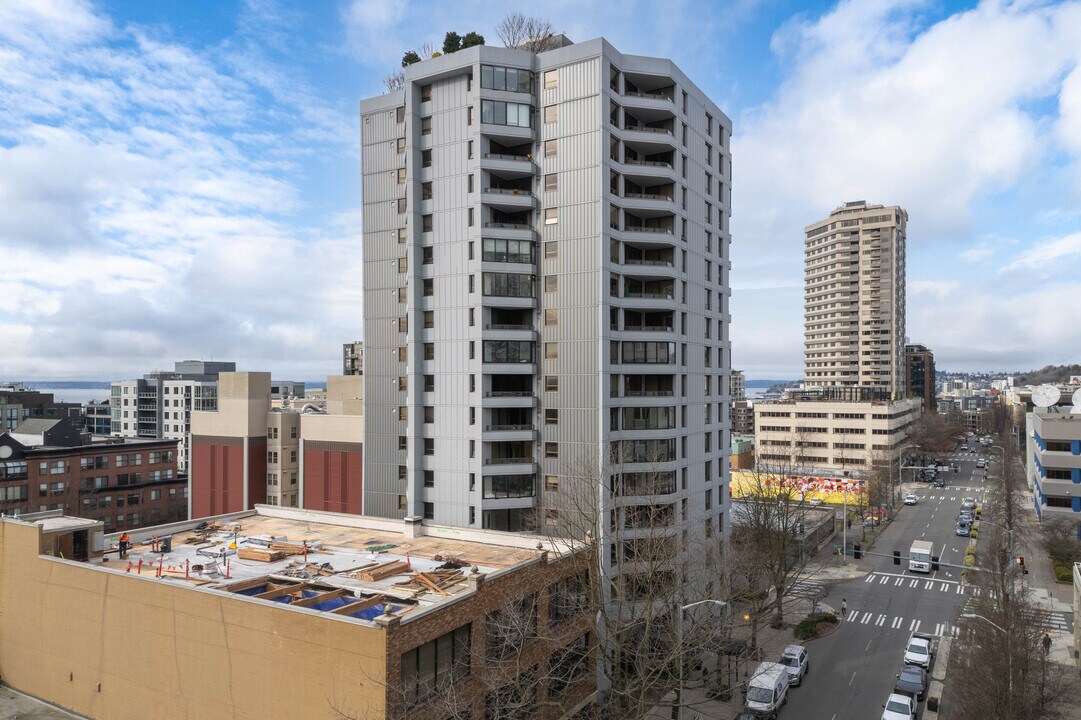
(508, 199)
(645, 171)
(508, 164)
(506, 134)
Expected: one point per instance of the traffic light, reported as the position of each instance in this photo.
(857, 552)
(896, 557)
(934, 563)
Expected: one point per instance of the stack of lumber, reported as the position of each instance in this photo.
(293, 548)
(383, 570)
(254, 553)
(436, 581)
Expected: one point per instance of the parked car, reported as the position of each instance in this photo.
(920, 650)
(911, 681)
(939, 483)
(899, 707)
(981, 463)
(963, 528)
(911, 499)
(964, 517)
(767, 690)
(968, 503)
(795, 659)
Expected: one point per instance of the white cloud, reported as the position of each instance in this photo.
(976, 254)
(1048, 255)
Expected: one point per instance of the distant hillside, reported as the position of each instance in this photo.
(1049, 374)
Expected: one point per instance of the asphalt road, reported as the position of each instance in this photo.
(853, 670)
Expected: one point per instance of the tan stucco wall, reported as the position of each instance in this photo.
(345, 394)
(333, 428)
(243, 403)
(164, 651)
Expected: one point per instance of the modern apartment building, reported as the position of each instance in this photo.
(19, 403)
(920, 374)
(251, 450)
(353, 358)
(160, 403)
(855, 298)
(739, 386)
(545, 287)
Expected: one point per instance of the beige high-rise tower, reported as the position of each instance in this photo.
(854, 298)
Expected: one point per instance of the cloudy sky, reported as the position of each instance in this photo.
(181, 180)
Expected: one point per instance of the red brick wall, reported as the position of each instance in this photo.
(217, 479)
(257, 469)
(333, 481)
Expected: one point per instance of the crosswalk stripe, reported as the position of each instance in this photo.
(881, 620)
(938, 628)
(944, 587)
(928, 585)
(885, 579)
(960, 589)
(914, 583)
(915, 626)
(897, 622)
(866, 619)
(870, 578)
(899, 581)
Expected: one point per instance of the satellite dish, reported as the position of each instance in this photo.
(1045, 396)
(1075, 399)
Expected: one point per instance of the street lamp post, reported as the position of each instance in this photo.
(1009, 655)
(688, 606)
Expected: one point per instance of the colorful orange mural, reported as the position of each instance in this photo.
(827, 489)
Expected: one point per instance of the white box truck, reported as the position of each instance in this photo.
(919, 556)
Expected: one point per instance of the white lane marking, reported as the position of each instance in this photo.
(915, 626)
(868, 645)
(896, 624)
(866, 619)
(870, 578)
(853, 678)
(928, 584)
(938, 628)
(881, 620)
(884, 580)
(960, 589)
(914, 583)
(900, 581)
(944, 587)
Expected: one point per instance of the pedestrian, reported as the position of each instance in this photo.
(125, 543)
(844, 608)
(1046, 644)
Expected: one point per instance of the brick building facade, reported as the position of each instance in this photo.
(125, 484)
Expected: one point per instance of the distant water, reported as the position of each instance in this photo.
(83, 393)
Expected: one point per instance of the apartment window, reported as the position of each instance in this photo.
(403, 235)
(551, 317)
(403, 472)
(551, 283)
(429, 446)
(401, 176)
(497, 112)
(506, 251)
(551, 350)
(469, 183)
(551, 483)
(428, 285)
(551, 148)
(403, 442)
(551, 79)
(551, 113)
(427, 256)
(472, 354)
(401, 149)
(509, 285)
(506, 78)
(403, 294)
(509, 351)
(709, 155)
(429, 351)
(426, 191)
(426, 93)
(472, 283)
(551, 182)
(429, 514)
(429, 478)
(403, 412)
(292, 456)
(472, 317)
(469, 150)
(399, 114)
(426, 158)
(472, 421)
(551, 383)
(551, 249)
(469, 115)
(429, 383)
(272, 457)
(709, 124)
(429, 414)
(426, 126)
(469, 217)
(551, 216)
(429, 319)
(272, 433)
(403, 265)
(684, 133)
(403, 354)
(403, 502)
(551, 416)
(427, 223)
(684, 102)
(551, 450)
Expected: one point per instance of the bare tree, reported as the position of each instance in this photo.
(394, 81)
(1004, 669)
(527, 32)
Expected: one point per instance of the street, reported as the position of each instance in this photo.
(854, 669)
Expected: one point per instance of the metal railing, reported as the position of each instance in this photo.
(509, 393)
(508, 428)
(508, 461)
(647, 128)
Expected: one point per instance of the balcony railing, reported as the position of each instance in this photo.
(508, 461)
(644, 228)
(649, 393)
(649, 295)
(507, 191)
(512, 226)
(650, 163)
(646, 196)
(500, 156)
(649, 263)
(507, 326)
(651, 96)
(508, 393)
(508, 428)
(647, 128)
(648, 328)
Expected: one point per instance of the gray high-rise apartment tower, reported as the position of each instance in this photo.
(545, 287)
(855, 299)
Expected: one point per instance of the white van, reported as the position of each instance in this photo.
(767, 690)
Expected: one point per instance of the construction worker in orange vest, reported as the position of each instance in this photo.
(125, 543)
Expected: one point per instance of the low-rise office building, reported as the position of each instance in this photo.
(281, 613)
(1054, 463)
